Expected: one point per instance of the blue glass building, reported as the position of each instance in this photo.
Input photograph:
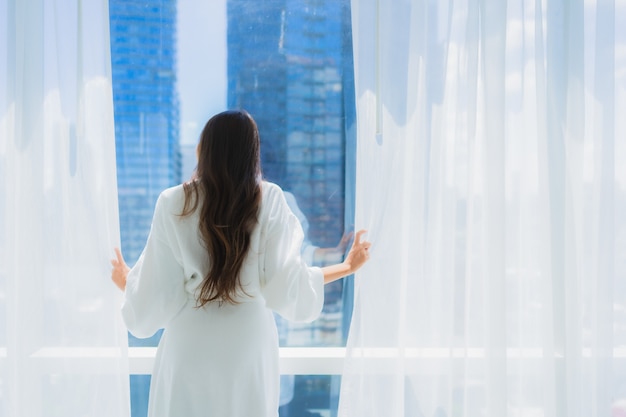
(143, 57)
(285, 67)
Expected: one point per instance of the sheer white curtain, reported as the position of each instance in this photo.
(61, 340)
(491, 176)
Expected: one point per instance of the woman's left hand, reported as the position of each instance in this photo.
(120, 270)
(359, 252)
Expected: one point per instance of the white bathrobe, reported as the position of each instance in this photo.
(219, 361)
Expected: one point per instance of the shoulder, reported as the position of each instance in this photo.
(171, 200)
(271, 192)
(271, 188)
(272, 195)
(275, 208)
(172, 195)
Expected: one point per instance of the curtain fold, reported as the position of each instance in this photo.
(62, 343)
(488, 175)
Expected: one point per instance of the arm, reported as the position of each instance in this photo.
(154, 289)
(358, 255)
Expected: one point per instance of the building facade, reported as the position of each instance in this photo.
(143, 59)
(285, 67)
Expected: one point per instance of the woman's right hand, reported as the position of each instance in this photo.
(119, 271)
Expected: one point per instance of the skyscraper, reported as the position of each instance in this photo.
(285, 68)
(143, 56)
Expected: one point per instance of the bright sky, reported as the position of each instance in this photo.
(201, 64)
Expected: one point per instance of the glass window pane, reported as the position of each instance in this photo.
(309, 395)
(288, 63)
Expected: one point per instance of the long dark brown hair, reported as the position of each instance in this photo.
(226, 188)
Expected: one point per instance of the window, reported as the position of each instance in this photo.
(288, 63)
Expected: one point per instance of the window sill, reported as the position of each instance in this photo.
(293, 361)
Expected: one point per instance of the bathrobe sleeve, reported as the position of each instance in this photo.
(155, 290)
(290, 287)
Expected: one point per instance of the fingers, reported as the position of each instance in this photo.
(357, 237)
(362, 244)
(120, 270)
(118, 254)
(118, 262)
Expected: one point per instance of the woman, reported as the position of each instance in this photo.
(223, 253)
